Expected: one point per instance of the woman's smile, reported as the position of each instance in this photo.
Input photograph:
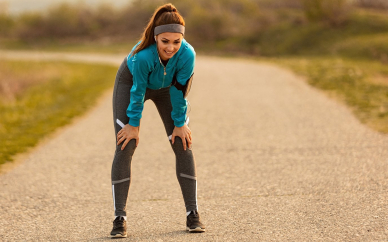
(169, 53)
(168, 44)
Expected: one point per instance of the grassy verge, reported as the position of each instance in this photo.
(361, 84)
(60, 92)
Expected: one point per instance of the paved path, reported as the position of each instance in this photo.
(276, 161)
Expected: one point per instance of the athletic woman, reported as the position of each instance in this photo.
(158, 68)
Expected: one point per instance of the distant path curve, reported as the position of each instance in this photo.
(114, 59)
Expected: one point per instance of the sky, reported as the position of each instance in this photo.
(18, 6)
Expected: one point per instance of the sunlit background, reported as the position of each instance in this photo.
(260, 27)
(340, 46)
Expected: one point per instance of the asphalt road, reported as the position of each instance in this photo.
(276, 161)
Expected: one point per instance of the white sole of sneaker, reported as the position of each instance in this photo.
(118, 236)
(197, 229)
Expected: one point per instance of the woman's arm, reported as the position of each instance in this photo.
(179, 103)
(140, 71)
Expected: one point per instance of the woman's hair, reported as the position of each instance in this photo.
(166, 14)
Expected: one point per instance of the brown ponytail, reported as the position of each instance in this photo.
(166, 14)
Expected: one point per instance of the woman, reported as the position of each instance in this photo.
(161, 56)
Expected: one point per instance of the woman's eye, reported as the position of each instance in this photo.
(164, 41)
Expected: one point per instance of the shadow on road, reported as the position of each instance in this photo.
(177, 235)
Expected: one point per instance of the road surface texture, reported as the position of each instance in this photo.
(276, 161)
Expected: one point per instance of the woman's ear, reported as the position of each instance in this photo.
(155, 38)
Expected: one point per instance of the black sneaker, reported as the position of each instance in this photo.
(193, 223)
(119, 228)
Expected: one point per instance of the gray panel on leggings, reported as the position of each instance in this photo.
(188, 176)
(120, 181)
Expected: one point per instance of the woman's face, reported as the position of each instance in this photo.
(168, 44)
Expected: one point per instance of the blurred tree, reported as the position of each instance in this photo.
(380, 4)
(67, 20)
(6, 25)
(134, 18)
(30, 26)
(219, 20)
(335, 12)
(106, 19)
(280, 3)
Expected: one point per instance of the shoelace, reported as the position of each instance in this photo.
(119, 223)
(194, 217)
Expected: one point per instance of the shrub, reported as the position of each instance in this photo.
(378, 4)
(335, 12)
(212, 21)
(30, 26)
(6, 24)
(134, 18)
(70, 20)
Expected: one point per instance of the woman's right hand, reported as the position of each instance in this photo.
(126, 134)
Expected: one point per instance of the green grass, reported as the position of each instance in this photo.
(374, 47)
(49, 104)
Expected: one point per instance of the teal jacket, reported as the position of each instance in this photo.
(148, 72)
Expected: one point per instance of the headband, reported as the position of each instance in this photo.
(174, 28)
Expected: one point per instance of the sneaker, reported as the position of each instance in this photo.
(119, 228)
(193, 223)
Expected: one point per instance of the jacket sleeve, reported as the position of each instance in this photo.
(140, 71)
(179, 104)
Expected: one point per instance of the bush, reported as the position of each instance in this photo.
(134, 18)
(213, 21)
(67, 20)
(266, 27)
(30, 26)
(6, 24)
(335, 12)
(378, 4)
(276, 4)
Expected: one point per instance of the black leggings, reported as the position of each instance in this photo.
(121, 167)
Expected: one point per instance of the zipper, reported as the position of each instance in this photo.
(164, 76)
(165, 73)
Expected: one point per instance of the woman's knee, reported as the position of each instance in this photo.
(129, 149)
(178, 147)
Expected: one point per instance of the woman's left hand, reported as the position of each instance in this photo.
(184, 133)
